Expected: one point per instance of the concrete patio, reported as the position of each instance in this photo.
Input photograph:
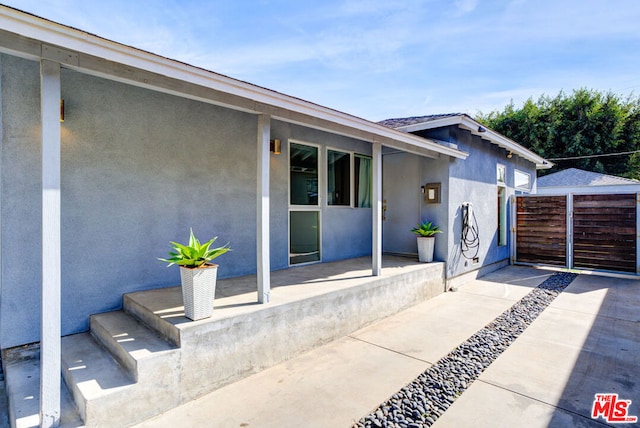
(584, 343)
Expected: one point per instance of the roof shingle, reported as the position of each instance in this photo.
(580, 177)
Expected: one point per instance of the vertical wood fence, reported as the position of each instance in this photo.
(604, 232)
(596, 232)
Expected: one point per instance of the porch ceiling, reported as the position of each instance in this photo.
(35, 38)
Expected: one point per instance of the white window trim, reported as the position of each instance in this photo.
(321, 181)
(521, 188)
(504, 168)
(318, 208)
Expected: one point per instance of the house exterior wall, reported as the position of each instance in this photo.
(437, 171)
(139, 168)
(472, 180)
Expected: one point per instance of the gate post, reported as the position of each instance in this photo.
(637, 233)
(569, 244)
(514, 224)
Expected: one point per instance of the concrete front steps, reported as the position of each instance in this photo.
(148, 358)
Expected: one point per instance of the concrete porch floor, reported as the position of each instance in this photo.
(238, 296)
(584, 343)
(310, 306)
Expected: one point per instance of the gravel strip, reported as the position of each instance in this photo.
(421, 402)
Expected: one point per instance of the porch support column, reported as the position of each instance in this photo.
(376, 250)
(262, 223)
(50, 321)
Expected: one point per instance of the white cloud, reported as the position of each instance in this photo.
(466, 6)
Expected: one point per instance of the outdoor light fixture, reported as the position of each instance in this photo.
(61, 110)
(275, 146)
(509, 155)
(482, 129)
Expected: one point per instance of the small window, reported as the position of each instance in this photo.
(522, 180)
(501, 173)
(362, 181)
(338, 178)
(502, 216)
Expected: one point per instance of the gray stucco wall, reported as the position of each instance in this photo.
(138, 169)
(474, 180)
(21, 201)
(437, 171)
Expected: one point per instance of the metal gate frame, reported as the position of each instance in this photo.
(569, 231)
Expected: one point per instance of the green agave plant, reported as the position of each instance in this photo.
(194, 254)
(426, 228)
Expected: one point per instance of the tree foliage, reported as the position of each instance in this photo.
(585, 123)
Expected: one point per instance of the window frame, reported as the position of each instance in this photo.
(310, 208)
(353, 203)
(501, 186)
(526, 189)
(351, 155)
(320, 175)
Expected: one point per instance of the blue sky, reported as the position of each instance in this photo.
(382, 59)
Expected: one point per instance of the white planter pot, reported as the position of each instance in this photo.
(198, 291)
(426, 245)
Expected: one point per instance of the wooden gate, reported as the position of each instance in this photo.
(601, 236)
(541, 230)
(604, 232)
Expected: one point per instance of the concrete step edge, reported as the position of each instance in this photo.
(154, 321)
(90, 372)
(130, 342)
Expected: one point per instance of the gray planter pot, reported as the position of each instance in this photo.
(198, 291)
(426, 245)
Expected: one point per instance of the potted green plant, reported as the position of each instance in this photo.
(426, 240)
(198, 276)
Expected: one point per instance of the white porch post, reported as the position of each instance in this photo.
(376, 250)
(50, 321)
(262, 223)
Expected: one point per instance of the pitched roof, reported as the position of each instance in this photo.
(578, 177)
(405, 121)
(464, 121)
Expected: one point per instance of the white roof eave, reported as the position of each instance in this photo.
(79, 42)
(476, 128)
